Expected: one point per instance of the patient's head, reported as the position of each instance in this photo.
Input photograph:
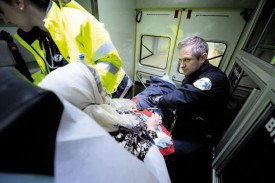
(78, 83)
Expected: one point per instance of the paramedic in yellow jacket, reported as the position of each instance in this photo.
(58, 33)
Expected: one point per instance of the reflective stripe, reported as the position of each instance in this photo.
(103, 50)
(108, 67)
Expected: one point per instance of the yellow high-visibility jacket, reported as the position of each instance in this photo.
(75, 31)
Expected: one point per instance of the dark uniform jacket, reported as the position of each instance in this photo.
(199, 104)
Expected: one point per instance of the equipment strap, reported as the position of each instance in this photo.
(20, 63)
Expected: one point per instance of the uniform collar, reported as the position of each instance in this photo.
(30, 36)
(200, 70)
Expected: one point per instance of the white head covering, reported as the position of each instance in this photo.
(80, 85)
(77, 83)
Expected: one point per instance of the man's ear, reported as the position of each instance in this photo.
(204, 56)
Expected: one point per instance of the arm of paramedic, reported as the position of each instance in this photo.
(97, 43)
(184, 96)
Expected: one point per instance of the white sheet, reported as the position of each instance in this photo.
(86, 153)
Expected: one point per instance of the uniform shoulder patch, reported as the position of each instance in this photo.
(203, 84)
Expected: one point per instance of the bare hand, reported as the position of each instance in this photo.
(153, 122)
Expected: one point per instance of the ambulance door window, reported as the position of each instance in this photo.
(262, 42)
(154, 51)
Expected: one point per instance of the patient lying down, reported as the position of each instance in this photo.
(81, 86)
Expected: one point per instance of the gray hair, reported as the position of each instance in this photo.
(199, 45)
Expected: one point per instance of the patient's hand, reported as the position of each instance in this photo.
(153, 122)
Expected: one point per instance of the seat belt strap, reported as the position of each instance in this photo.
(20, 63)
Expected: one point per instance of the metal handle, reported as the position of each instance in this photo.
(139, 78)
(174, 79)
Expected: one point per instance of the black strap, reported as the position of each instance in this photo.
(20, 63)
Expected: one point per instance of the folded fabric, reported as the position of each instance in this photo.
(163, 140)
